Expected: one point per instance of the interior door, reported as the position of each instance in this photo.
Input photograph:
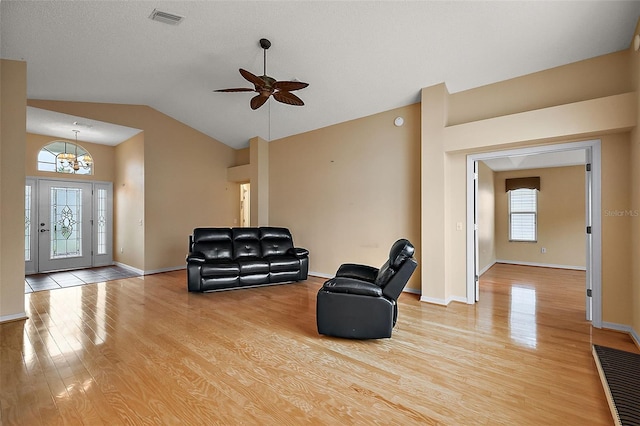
(64, 225)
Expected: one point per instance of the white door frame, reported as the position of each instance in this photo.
(594, 250)
(100, 256)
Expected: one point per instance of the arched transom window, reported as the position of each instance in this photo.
(65, 157)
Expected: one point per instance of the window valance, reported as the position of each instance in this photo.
(522, 183)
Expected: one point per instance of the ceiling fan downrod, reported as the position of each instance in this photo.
(265, 44)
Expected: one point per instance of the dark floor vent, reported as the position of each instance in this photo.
(620, 375)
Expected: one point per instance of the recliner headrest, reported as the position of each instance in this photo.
(400, 251)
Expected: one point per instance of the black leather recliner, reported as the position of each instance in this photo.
(360, 302)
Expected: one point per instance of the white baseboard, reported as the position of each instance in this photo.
(412, 291)
(617, 327)
(170, 269)
(486, 268)
(635, 337)
(625, 329)
(542, 265)
(130, 268)
(13, 317)
(443, 302)
(321, 275)
(152, 271)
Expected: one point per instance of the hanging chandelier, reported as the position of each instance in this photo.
(72, 160)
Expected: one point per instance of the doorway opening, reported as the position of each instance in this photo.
(593, 236)
(245, 205)
(68, 225)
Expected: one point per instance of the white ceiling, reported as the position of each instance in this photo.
(537, 161)
(359, 57)
(50, 123)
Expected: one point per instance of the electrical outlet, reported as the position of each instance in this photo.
(543, 250)
(459, 226)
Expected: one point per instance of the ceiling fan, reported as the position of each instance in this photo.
(267, 86)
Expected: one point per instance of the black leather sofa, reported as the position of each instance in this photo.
(225, 258)
(360, 302)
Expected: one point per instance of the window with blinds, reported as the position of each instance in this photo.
(523, 207)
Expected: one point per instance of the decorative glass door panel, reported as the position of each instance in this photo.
(66, 222)
(64, 228)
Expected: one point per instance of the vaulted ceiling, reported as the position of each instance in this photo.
(358, 57)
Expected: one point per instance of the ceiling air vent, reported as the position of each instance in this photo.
(167, 18)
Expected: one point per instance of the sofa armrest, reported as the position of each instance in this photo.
(196, 257)
(299, 252)
(358, 272)
(352, 286)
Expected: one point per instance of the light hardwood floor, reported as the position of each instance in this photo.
(145, 351)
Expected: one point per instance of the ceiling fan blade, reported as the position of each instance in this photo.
(288, 98)
(251, 78)
(289, 86)
(241, 89)
(258, 100)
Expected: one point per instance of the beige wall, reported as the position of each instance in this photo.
(445, 147)
(128, 202)
(259, 180)
(616, 230)
(13, 116)
(243, 156)
(185, 183)
(575, 82)
(486, 217)
(349, 191)
(635, 194)
(102, 155)
(560, 221)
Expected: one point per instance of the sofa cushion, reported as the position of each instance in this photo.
(254, 279)
(220, 269)
(283, 263)
(246, 243)
(218, 283)
(213, 243)
(249, 266)
(275, 241)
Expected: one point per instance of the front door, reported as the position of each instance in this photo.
(64, 225)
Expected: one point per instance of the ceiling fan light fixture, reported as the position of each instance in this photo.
(267, 86)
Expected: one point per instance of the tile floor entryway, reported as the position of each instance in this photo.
(55, 280)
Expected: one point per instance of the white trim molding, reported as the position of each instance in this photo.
(130, 268)
(412, 291)
(169, 269)
(486, 268)
(625, 329)
(13, 317)
(152, 271)
(320, 275)
(541, 265)
(443, 302)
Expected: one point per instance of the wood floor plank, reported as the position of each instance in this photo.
(145, 351)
